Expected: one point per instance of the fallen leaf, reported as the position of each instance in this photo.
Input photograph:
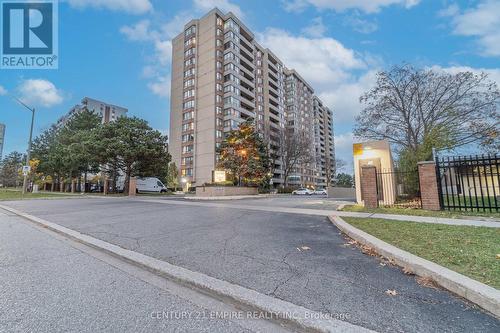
(407, 271)
(382, 264)
(391, 292)
(305, 248)
(427, 282)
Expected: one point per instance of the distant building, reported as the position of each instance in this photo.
(2, 138)
(108, 112)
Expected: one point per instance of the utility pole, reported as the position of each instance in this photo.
(28, 155)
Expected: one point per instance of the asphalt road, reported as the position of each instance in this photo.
(298, 258)
(48, 285)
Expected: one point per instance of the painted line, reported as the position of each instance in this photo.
(479, 293)
(288, 314)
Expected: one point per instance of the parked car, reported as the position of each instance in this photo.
(321, 192)
(303, 191)
(150, 184)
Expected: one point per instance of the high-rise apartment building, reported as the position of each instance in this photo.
(2, 138)
(222, 77)
(108, 112)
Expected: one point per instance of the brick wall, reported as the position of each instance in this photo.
(428, 185)
(369, 186)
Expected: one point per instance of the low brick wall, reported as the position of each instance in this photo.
(342, 192)
(224, 191)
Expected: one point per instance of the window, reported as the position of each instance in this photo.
(190, 52)
(219, 64)
(189, 72)
(259, 62)
(231, 101)
(190, 41)
(219, 32)
(189, 83)
(231, 56)
(189, 93)
(230, 24)
(231, 77)
(188, 105)
(190, 30)
(218, 87)
(218, 110)
(231, 35)
(187, 149)
(232, 89)
(218, 98)
(231, 45)
(231, 67)
(218, 53)
(218, 122)
(189, 62)
(187, 160)
(218, 76)
(218, 134)
(218, 42)
(187, 172)
(187, 137)
(219, 21)
(187, 127)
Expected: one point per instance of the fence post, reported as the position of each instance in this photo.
(429, 185)
(369, 186)
(132, 186)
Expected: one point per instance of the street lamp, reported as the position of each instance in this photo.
(28, 155)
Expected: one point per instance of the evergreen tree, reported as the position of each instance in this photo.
(245, 156)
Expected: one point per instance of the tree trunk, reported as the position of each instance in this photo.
(126, 184)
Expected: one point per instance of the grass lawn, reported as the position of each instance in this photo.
(16, 194)
(419, 212)
(472, 251)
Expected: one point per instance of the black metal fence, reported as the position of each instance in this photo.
(399, 188)
(469, 182)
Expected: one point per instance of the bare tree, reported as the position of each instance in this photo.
(295, 150)
(423, 108)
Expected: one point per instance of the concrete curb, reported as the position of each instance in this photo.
(479, 293)
(285, 313)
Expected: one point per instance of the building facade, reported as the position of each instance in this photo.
(108, 112)
(222, 77)
(2, 139)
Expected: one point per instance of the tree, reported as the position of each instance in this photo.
(173, 176)
(417, 109)
(344, 180)
(70, 150)
(245, 155)
(131, 147)
(295, 151)
(10, 168)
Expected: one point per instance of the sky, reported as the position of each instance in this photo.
(119, 51)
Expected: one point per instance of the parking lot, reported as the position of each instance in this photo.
(295, 257)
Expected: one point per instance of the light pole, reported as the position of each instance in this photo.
(28, 155)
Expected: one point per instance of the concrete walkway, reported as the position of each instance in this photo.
(324, 212)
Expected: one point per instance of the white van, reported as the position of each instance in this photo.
(150, 184)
